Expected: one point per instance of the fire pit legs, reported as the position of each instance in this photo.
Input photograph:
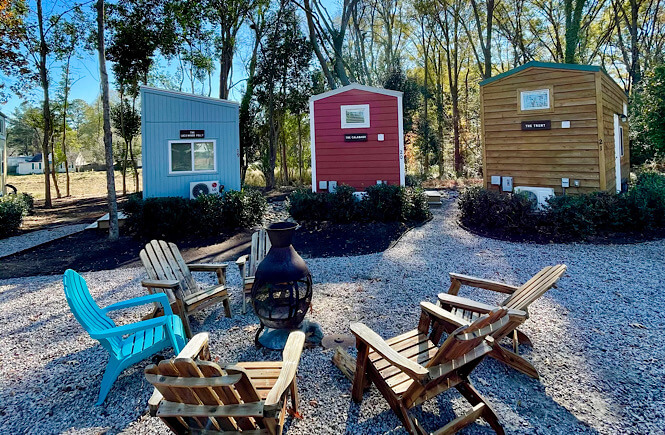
(275, 339)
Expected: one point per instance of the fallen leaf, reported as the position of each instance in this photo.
(294, 414)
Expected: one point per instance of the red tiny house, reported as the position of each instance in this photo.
(356, 137)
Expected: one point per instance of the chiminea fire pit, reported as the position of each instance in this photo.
(282, 289)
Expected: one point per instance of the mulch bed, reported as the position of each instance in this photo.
(91, 250)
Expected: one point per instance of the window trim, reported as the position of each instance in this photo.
(364, 107)
(191, 144)
(621, 140)
(550, 100)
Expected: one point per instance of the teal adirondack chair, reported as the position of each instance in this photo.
(143, 339)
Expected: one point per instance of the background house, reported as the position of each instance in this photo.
(35, 165)
(187, 141)
(556, 126)
(357, 137)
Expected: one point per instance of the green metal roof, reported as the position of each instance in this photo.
(552, 65)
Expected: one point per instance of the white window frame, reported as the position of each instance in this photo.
(363, 107)
(524, 93)
(191, 142)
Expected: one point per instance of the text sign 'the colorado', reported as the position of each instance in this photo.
(536, 125)
(357, 137)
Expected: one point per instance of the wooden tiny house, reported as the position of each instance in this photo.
(551, 125)
(356, 137)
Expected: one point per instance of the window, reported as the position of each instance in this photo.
(535, 100)
(356, 116)
(621, 140)
(191, 156)
(2, 126)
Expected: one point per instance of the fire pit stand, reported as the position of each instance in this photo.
(282, 290)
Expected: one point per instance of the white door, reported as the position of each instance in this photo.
(618, 150)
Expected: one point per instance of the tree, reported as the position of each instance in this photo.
(108, 135)
(647, 118)
(283, 63)
(127, 123)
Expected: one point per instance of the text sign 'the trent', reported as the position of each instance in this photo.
(536, 125)
(192, 134)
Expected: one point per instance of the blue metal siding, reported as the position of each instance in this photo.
(164, 114)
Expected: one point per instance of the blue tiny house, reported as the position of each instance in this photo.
(190, 143)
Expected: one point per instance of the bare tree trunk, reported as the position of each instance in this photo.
(108, 136)
(64, 123)
(46, 109)
(300, 144)
(54, 169)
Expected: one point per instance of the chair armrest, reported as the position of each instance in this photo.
(464, 303)
(240, 262)
(291, 360)
(206, 267)
(194, 347)
(119, 331)
(442, 315)
(373, 340)
(486, 284)
(160, 283)
(142, 300)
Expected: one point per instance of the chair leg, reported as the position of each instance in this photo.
(362, 360)
(111, 373)
(513, 360)
(523, 338)
(244, 302)
(295, 396)
(474, 398)
(227, 307)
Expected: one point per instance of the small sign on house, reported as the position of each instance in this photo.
(192, 134)
(536, 125)
(360, 137)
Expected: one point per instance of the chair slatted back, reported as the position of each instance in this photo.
(163, 260)
(86, 310)
(535, 287)
(260, 247)
(175, 380)
(466, 338)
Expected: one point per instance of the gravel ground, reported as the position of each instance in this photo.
(597, 340)
(12, 245)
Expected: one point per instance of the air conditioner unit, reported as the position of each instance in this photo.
(198, 188)
(537, 195)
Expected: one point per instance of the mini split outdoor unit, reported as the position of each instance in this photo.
(537, 195)
(198, 188)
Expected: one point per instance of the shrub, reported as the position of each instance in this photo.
(304, 205)
(383, 202)
(27, 201)
(343, 205)
(639, 211)
(12, 211)
(175, 218)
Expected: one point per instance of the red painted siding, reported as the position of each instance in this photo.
(358, 164)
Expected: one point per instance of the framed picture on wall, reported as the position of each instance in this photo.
(535, 100)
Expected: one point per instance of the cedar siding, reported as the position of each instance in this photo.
(541, 158)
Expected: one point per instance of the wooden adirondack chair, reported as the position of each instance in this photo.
(194, 395)
(410, 368)
(141, 339)
(248, 263)
(169, 273)
(518, 303)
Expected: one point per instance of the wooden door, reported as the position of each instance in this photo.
(618, 150)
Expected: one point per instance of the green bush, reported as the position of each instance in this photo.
(12, 211)
(342, 205)
(304, 205)
(385, 203)
(175, 218)
(640, 211)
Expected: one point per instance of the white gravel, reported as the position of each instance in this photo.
(597, 339)
(12, 245)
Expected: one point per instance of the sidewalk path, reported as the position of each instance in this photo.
(15, 244)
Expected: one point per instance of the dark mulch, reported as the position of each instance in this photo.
(90, 250)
